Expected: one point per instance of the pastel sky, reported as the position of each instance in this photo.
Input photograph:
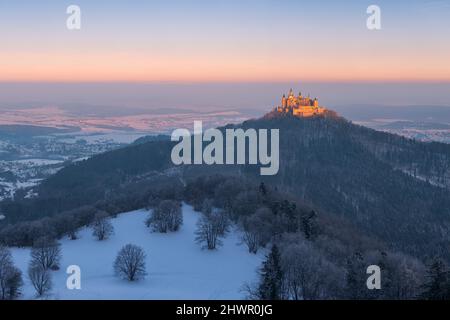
(224, 40)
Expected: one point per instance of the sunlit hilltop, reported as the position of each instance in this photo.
(300, 106)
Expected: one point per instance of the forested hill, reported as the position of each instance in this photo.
(390, 187)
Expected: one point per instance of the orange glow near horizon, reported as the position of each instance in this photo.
(126, 67)
(85, 60)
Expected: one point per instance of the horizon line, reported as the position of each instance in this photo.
(193, 82)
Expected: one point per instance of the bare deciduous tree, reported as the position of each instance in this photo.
(257, 229)
(210, 228)
(130, 263)
(46, 252)
(251, 239)
(40, 279)
(10, 276)
(102, 227)
(166, 217)
(223, 222)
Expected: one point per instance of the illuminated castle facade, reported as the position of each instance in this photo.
(300, 106)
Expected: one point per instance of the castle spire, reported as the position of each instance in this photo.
(284, 101)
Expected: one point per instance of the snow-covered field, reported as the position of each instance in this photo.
(99, 138)
(9, 188)
(36, 162)
(177, 267)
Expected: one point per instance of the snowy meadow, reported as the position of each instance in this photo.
(177, 267)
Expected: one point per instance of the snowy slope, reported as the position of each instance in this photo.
(177, 267)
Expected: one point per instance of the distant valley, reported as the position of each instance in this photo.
(37, 142)
(423, 123)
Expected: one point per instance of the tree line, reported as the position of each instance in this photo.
(311, 254)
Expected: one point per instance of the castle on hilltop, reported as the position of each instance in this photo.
(300, 106)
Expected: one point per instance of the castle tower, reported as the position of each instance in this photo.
(316, 103)
(284, 101)
(291, 93)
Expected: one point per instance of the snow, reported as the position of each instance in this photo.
(109, 137)
(12, 187)
(123, 127)
(81, 159)
(177, 267)
(37, 162)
